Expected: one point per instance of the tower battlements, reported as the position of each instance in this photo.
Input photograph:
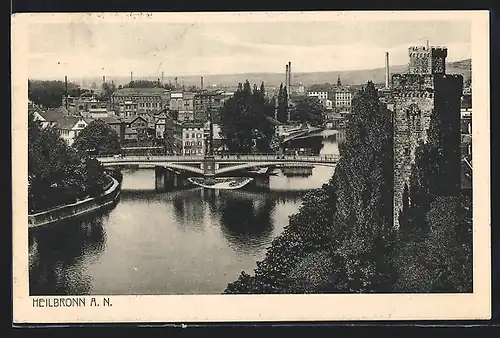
(424, 49)
(427, 60)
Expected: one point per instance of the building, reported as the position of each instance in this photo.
(164, 124)
(204, 102)
(218, 140)
(426, 60)
(183, 103)
(47, 118)
(189, 138)
(322, 96)
(143, 126)
(298, 89)
(83, 104)
(129, 101)
(130, 135)
(70, 126)
(342, 99)
(414, 96)
(96, 113)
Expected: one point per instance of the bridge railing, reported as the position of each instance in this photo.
(222, 158)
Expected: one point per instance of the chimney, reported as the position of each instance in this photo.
(66, 91)
(427, 44)
(289, 75)
(162, 79)
(201, 84)
(131, 76)
(387, 70)
(103, 79)
(286, 76)
(176, 83)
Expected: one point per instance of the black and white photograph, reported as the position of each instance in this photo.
(285, 154)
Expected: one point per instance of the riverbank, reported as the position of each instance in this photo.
(77, 209)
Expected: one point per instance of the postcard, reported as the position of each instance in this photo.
(250, 166)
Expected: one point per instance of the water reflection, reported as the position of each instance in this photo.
(189, 241)
(58, 252)
(246, 222)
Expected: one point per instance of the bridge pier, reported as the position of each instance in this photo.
(209, 166)
(167, 180)
(160, 179)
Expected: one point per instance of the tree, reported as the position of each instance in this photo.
(107, 90)
(344, 227)
(308, 110)
(282, 109)
(49, 94)
(169, 86)
(243, 120)
(57, 173)
(439, 260)
(99, 137)
(143, 84)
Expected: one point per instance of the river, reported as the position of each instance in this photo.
(192, 241)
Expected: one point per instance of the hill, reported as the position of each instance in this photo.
(350, 77)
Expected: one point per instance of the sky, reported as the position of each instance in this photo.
(83, 48)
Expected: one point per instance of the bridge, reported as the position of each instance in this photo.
(299, 134)
(218, 164)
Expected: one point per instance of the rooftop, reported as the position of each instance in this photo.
(140, 91)
(110, 119)
(68, 122)
(53, 115)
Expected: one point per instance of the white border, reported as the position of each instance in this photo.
(262, 307)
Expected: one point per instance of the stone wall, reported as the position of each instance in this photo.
(411, 119)
(413, 99)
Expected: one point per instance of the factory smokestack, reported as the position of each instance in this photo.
(162, 83)
(66, 91)
(286, 76)
(201, 82)
(387, 70)
(131, 77)
(289, 76)
(103, 79)
(176, 83)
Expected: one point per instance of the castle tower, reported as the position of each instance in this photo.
(414, 96)
(427, 60)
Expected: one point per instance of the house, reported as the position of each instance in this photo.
(160, 127)
(189, 138)
(130, 135)
(143, 126)
(218, 139)
(49, 117)
(96, 113)
(70, 126)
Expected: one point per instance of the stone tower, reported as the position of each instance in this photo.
(414, 96)
(427, 60)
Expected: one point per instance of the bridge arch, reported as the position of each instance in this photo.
(178, 166)
(249, 165)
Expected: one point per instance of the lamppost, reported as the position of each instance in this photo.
(209, 152)
(209, 162)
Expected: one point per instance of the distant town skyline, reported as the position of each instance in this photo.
(114, 49)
